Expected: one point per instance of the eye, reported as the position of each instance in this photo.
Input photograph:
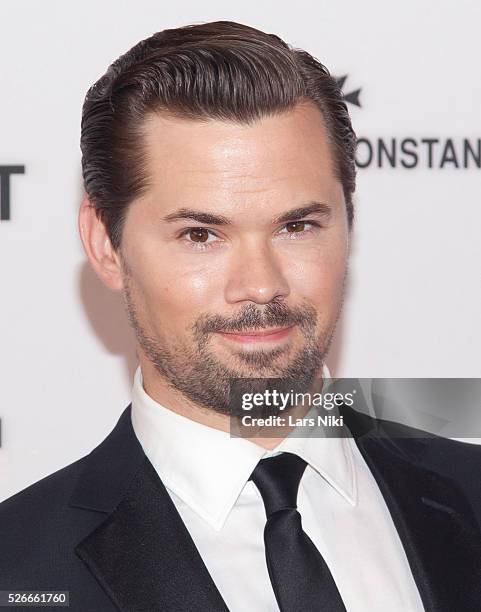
(299, 227)
(199, 237)
(198, 234)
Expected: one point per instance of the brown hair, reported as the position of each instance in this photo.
(220, 70)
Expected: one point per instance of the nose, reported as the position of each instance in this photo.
(255, 275)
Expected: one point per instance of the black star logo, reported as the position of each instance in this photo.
(351, 97)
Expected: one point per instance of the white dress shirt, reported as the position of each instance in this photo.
(206, 473)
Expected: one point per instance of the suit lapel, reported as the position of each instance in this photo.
(435, 523)
(142, 554)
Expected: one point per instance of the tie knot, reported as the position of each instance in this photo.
(277, 479)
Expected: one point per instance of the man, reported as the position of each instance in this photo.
(219, 171)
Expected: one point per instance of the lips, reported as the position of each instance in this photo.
(261, 335)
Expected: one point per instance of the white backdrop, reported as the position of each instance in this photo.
(414, 302)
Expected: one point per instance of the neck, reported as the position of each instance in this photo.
(157, 388)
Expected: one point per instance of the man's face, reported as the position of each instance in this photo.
(235, 258)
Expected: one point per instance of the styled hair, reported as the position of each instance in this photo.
(220, 70)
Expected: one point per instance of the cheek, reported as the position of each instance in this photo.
(317, 277)
(175, 294)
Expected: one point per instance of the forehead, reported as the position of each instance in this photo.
(282, 154)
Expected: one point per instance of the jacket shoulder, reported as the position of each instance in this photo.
(41, 525)
(37, 520)
(44, 498)
(43, 495)
(39, 530)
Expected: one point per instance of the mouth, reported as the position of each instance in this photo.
(259, 336)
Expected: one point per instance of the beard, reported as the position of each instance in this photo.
(192, 369)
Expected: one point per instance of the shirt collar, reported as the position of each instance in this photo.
(207, 468)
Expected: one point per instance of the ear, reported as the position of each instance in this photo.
(103, 259)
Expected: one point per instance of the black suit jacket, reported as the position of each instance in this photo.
(105, 528)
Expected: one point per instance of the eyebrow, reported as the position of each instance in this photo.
(295, 214)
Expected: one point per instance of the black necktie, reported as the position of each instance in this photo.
(299, 575)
